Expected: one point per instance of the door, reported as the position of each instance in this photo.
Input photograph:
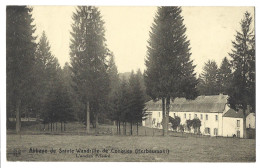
(238, 134)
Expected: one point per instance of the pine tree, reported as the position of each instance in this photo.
(88, 59)
(224, 76)
(20, 51)
(208, 79)
(113, 74)
(137, 101)
(114, 83)
(77, 105)
(59, 107)
(170, 72)
(46, 73)
(242, 89)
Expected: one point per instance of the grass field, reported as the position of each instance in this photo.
(182, 148)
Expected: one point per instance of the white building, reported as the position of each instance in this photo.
(217, 119)
(233, 123)
(250, 121)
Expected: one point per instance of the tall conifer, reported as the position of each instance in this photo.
(170, 72)
(88, 54)
(20, 57)
(242, 89)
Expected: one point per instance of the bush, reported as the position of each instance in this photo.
(175, 122)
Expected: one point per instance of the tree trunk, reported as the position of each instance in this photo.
(51, 126)
(96, 120)
(137, 128)
(244, 124)
(163, 116)
(64, 126)
(61, 126)
(125, 128)
(167, 115)
(56, 126)
(119, 128)
(48, 127)
(18, 116)
(131, 131)
(87, 119)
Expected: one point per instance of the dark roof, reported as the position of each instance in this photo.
(214, 103)
(234, 114)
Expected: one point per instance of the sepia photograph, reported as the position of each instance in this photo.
(130, 84)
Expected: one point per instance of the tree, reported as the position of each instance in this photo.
(122, 105)
(88, 60)
(224, 76)
(137, 101)
(20, 57)
(175, 122)
(59, 107)
(196, 124)
(113, 74)
(170, 72)
(242, 89)
(114, 84)
(77, 105)
(189, 124)
(208, 79)
(46, 73)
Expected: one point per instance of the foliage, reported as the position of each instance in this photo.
(170, 72)
(175, 122)
(88, 53)
(196, 124)
(242, 89)
(208, 79)
(59, 106)
(20, 57)
(137, 98)
(224, 76)
(189, 124)
(77, 105)
(46, 73)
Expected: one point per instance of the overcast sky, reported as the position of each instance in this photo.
(209, 29)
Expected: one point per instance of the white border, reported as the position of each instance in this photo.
(5, 164)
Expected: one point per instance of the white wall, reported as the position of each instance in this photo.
(230, 126)
(250, 120)
(157, 117)
(211, 122)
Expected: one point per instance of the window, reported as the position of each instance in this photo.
(238, 134)
(174, 115)
(159, 114)
(216, 131)
(189, 116)
(201, 116)
(216, 117)
(184, 115)
(195, 115)
(238, 123)
(207, 117)
(207, 130)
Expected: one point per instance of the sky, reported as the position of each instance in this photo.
(209, 29)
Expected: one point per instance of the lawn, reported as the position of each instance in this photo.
(181, 148)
